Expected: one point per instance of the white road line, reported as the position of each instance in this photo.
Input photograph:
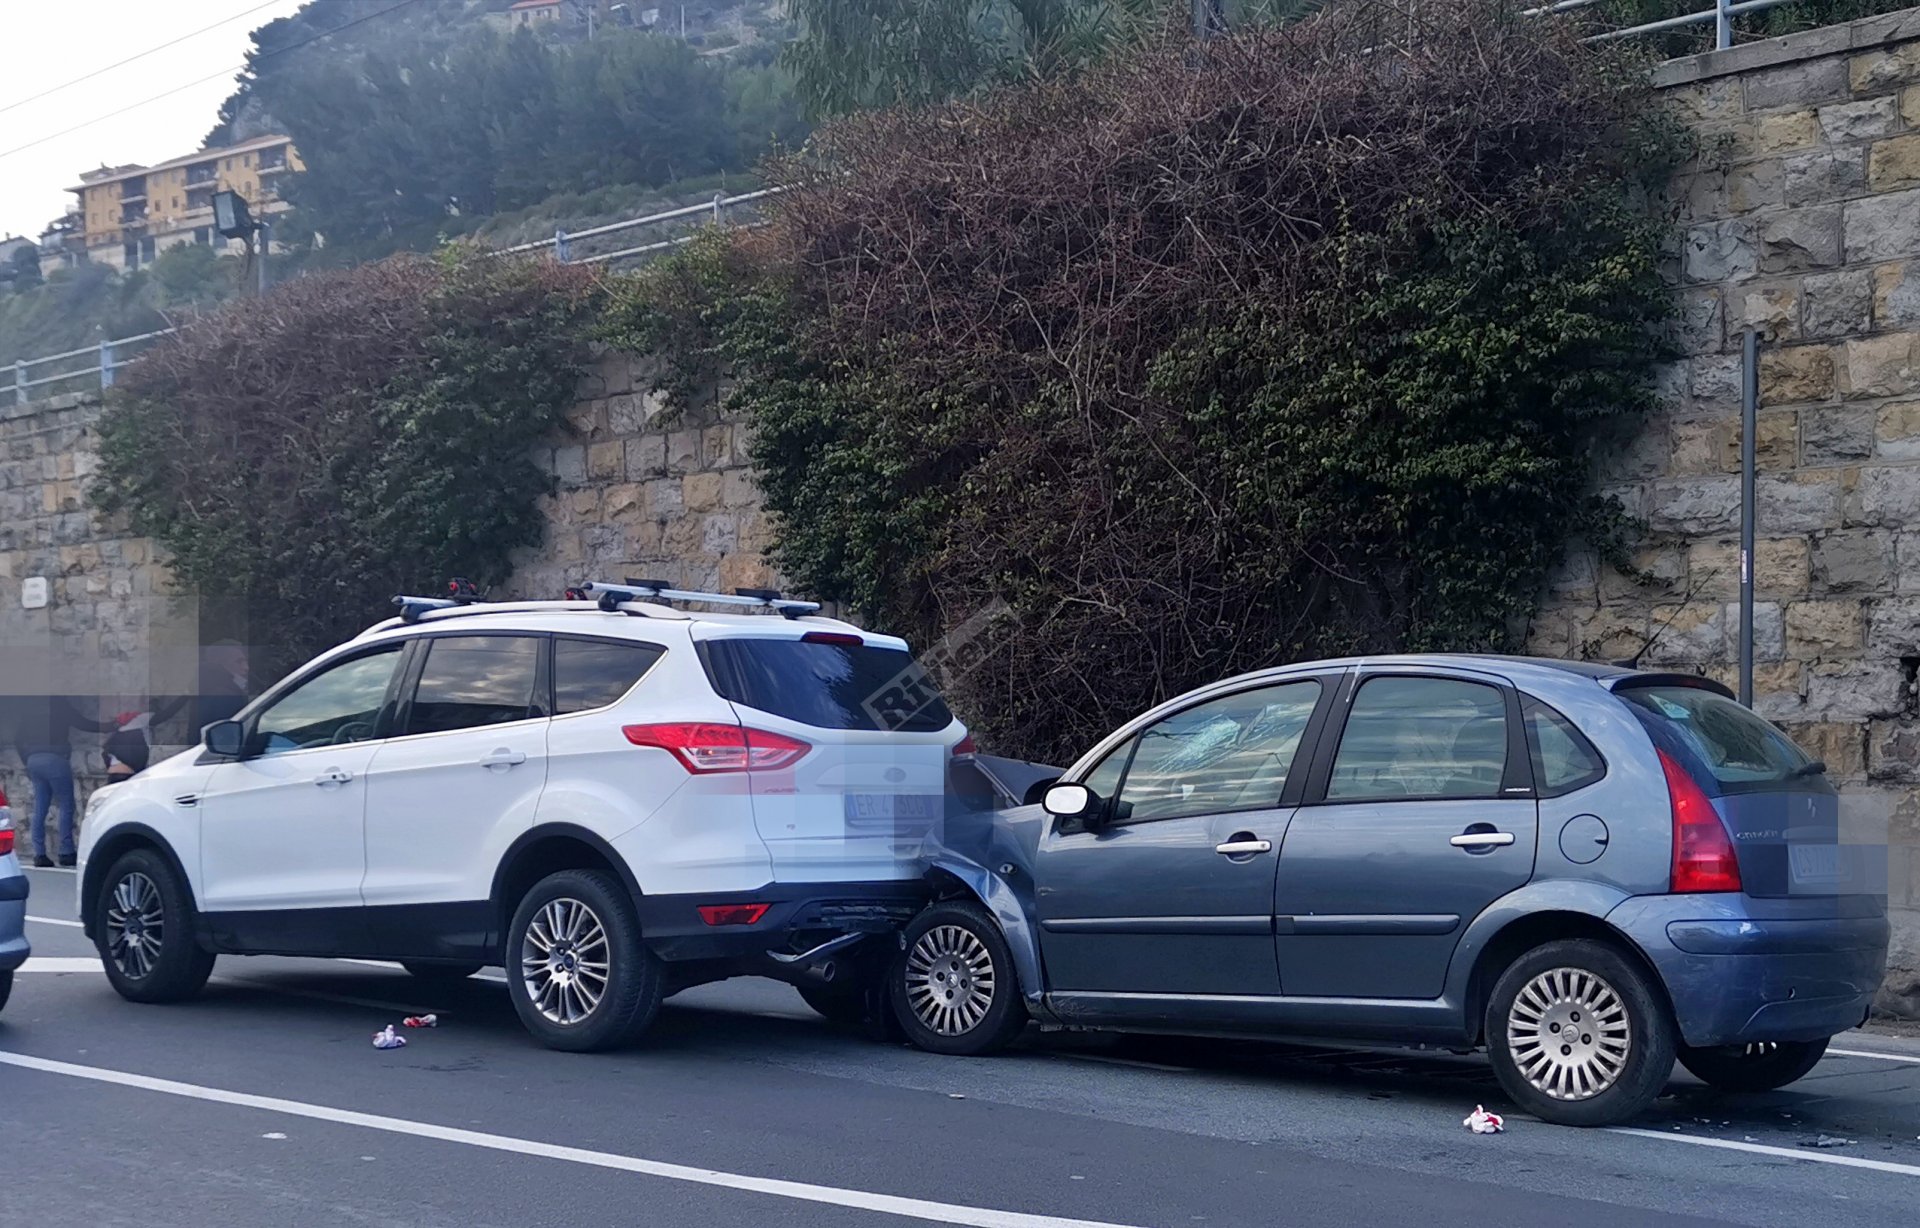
(1885, 1057)
(55, 963)
(861, 1200)
(56, 921)
(1727, 1144)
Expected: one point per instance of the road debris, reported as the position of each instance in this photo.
(1482, 1122)
(275, 1134)
(420, 1021)
(1828, 1140)
(387, 1039)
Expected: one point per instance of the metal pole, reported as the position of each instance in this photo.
(1722, 25)
(719, 208)
(20, 381)
(266, 245)
(1208, 19)
(1749, 405)
(561, 250)
(106, 365)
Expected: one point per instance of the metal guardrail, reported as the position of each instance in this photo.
(110, 356)
(1721, 15)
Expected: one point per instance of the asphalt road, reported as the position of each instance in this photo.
(263, 1103)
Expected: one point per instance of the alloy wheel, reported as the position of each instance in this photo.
(565, 960)
(1569, 1034)
(136, 925)
(950, 979)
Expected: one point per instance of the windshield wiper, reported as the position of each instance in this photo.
(1816, 767)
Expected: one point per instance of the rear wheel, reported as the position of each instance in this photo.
(579, 975)
(445, 974)
(1578, 1035)
(1758, 1067)
(954, 988)
(143, 929)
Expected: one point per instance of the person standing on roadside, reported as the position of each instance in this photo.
(44, 738)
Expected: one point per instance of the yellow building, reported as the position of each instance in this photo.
(127, 215)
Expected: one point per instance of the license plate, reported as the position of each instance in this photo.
(876, 809)
(1815, 863)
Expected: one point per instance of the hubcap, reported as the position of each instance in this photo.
(564, 961)
(135, 926)
(950, 980)
(1569, 1034)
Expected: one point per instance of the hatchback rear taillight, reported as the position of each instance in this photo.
(965, 746)
(1703, 857)
(702, 747)
(6, 840)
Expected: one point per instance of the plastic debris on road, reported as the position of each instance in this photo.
(386, 1038)
(420, 1021)
(1482, 1122)
(1829, 1140)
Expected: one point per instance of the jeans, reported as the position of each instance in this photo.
(52, 777)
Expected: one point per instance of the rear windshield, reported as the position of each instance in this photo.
(1743, 752)
(831, 686)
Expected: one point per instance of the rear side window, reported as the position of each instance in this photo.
(473, 680)
(1563, 759)
(590, 674)
(1409, 738)
(1742, 752)
(827, 685)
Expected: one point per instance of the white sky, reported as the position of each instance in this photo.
(50, 42)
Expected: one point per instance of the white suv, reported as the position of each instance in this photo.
(612, 798)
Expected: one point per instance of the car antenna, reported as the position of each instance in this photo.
(1686, 599)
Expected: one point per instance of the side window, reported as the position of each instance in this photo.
(336, 706)
(594, 673)
(1421, 738)
(473, 680)
(1563, 759)
(1231, 753)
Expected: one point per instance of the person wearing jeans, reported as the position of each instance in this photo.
(52, 777)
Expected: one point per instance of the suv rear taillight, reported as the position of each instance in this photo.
(702, 747)
(6, 840)
(965, 746)
(1703, 857)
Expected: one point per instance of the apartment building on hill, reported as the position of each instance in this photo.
(125, 216)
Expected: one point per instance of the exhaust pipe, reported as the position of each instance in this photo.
(822, 972)
(816, 966)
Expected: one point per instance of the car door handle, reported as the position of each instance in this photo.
(1481, 839)
(1243, 848)
(503, 758)
(332, 776)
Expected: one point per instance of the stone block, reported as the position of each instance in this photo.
(1883, 68)
(1773, 310)
(1549, 634)
(1897, 431)
(1820, 629)
(1719, 251)
(1755, 185)
(583, 504)
(702, 491)
(1896, 294)
(1796, 373)
(744, 570)
(1836, 435)
(646, 456)
(1783, 131)
(1853, 690)
(1698, 447)
(1809, 81)
(1890, 496)
(624, 415)
(683, 451)
(1801, 503)
(1910, 106)
(1861, 120)
(1885, 227)
(588, 419)
(1825, 176)
(1893, 627)
(1837, 304)
(606, 460)
(1699, 325)
(570, 465)
(1853, 561)
(1776, 441)
(738, 489)
(665, 499)
(1791, 240)
(1608, 634)
(716, 446)
(1693, 634)
(623, 502)
(1713, 381)
(1700, 506)
(1658, 572)
(1880, 366)
(1894, 162)
(719, 534)
(1893, 750)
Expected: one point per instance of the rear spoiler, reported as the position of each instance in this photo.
(1633, 682)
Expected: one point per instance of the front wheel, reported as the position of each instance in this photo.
(1578, 1034)
(954, 988)
(579, 975)
(143, 929)
(1758, 1067)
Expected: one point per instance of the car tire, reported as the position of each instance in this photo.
(440, 974)
(1759, 1067)
(580, 977)
(144, 931)
(954, 987)
(1579, 1034)
(6, 988)
(842, 1001)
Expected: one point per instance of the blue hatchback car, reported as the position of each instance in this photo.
(1588, 870)
(13, 907)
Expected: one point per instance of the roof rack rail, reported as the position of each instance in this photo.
(610, 597)
(459, 592)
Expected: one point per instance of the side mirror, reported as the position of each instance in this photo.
(227, 739)
(1068, 801)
